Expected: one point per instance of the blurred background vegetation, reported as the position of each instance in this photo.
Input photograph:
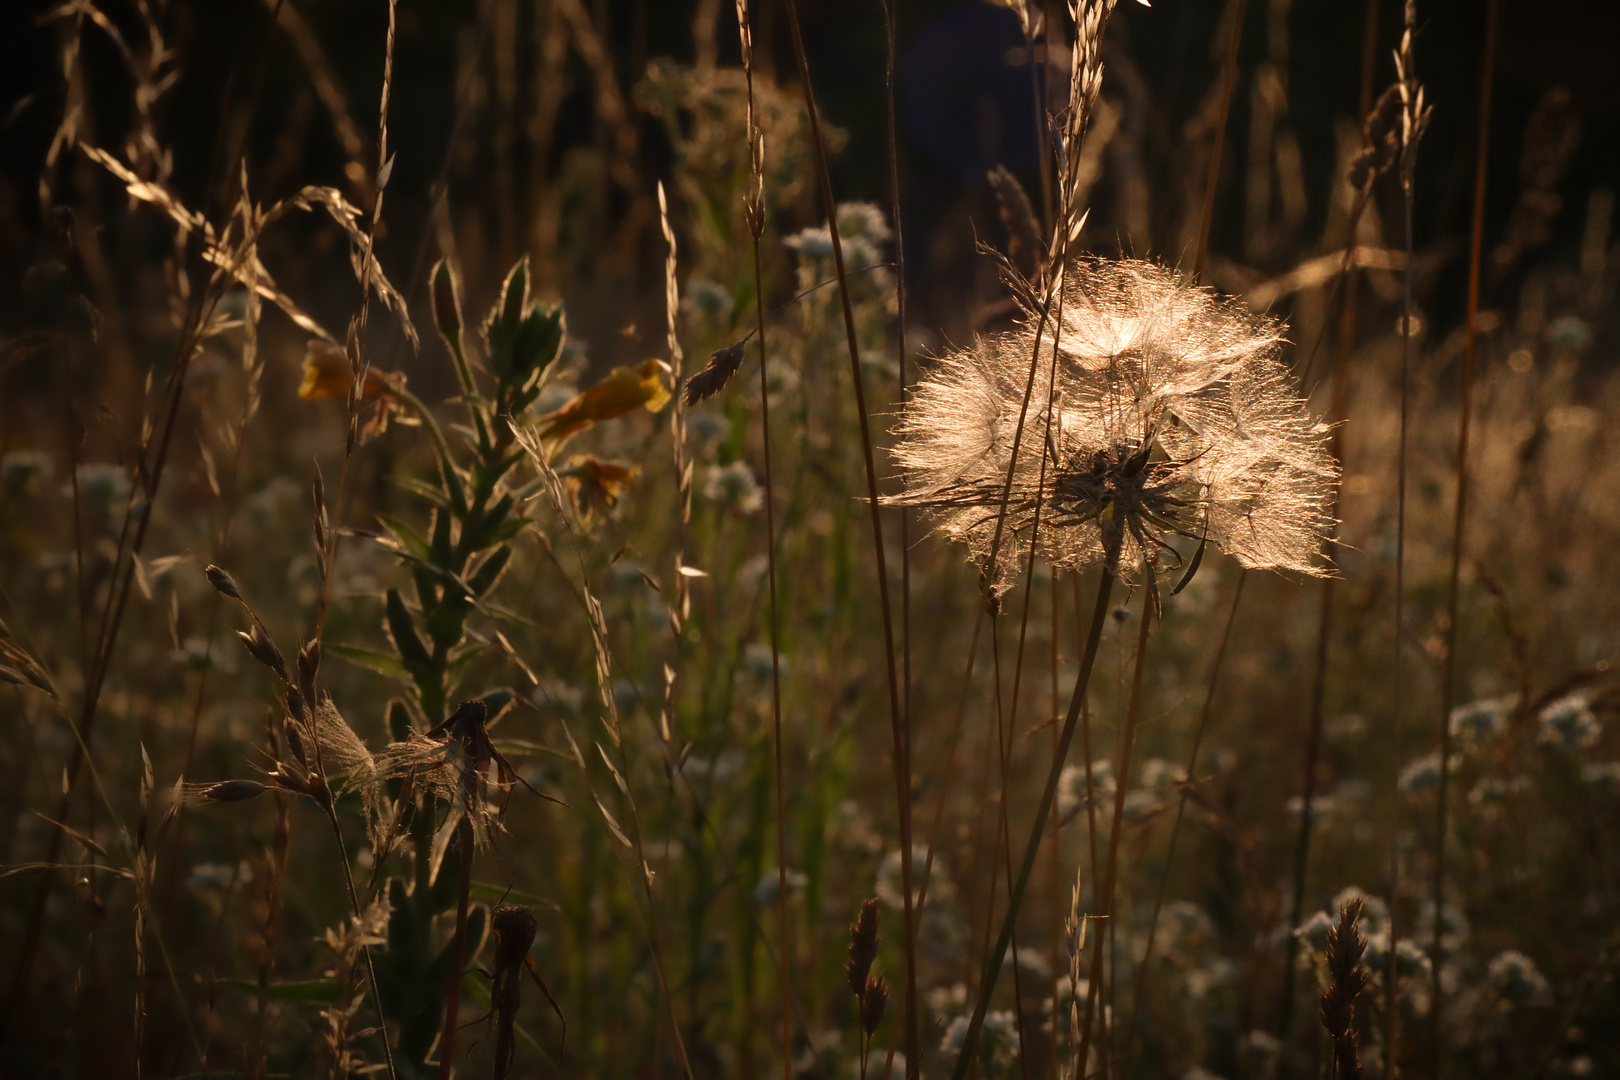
(216, 940)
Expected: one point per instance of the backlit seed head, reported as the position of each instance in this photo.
(1161, 412)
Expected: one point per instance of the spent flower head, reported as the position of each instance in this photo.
(1161, 412)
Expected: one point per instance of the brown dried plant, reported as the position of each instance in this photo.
(1347, 977)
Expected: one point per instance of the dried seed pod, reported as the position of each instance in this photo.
(290, 777)
(222, 581)
(233, 791)
(309, 663)
(514, 928)
(262, 649)
(320, 792)
(863, 946)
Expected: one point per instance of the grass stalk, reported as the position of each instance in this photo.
(1341, 371)
(1105, 897)
(458, 951)
(1448, 681)
(1412, 102)
(1006, 726)
(892, 126)
(754, 212)
(1212, 178)
(1071, 719)
(896, 719)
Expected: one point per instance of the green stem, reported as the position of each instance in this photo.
(458, 952)
(987, 986)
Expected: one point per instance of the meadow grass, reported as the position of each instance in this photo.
(757, 717)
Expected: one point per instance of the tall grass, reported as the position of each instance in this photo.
(639, 680)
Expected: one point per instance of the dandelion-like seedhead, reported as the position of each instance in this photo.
(1162, 412)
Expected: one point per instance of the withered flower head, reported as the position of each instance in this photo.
(1170, 415)
(622, 390)
(328, 374)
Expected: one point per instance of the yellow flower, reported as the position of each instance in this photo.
(328, 374)
(594, 482)
(622, 390)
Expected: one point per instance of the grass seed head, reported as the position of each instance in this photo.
(863, 946)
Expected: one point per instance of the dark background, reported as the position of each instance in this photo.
(953, 78)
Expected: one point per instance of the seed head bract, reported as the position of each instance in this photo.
(1170, 416)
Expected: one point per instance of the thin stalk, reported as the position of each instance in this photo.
(776, 673)
(945, 788)
(1411, 128)
(1105, 897)
(896, 720)
(1099, 616)
(1341, 370)
(1448, 680)
(1054, 850)
(1228, 81)
(458, 951)
(900, 358)
(1004, 840)
(1181, 805)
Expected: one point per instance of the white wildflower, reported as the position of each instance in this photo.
(1569, 723)
(1517, 980)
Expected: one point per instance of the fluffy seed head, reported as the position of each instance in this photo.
(1161, 411)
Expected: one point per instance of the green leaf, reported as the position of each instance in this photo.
(453, 485)
(538, 341)
(484, 579)
(496, 701)
(407, 537)
(521, 747)
(440, 547)
(379, 662)
(507, 530)
(444, 626)
(399, 720)
(491, 893)
(403, 631)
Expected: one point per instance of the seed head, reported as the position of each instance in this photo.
(874, 1000)
(1162, 412)
(863, 946)
(222, 581)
